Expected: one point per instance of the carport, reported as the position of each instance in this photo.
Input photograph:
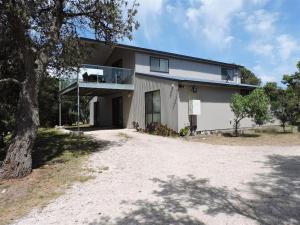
(95, 80)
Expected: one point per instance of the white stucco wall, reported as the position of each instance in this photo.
(182, 68)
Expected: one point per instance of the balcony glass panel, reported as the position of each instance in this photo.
(99, 74)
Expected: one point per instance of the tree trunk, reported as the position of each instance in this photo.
(18, 160)
(283, 127)
(236, 127)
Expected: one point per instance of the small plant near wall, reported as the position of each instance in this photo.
(184, 131)
(136, 126)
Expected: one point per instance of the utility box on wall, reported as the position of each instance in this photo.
(194, 107)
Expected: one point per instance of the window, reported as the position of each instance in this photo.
(152, 107)
(227, 74)
(118, 63)
(159, 65)
(245, 92)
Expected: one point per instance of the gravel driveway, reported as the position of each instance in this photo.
(151, 180)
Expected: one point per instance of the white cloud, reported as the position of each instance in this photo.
(266, 79)
(261, 22)
(208, 20)
(260, 48)
(211, 20)
(279, 48)
(269, 44)
(274, 72)
(287, 45)
(149, 16)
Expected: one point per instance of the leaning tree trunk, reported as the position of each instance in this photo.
(18, 160)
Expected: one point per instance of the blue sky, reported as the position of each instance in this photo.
(263, 35)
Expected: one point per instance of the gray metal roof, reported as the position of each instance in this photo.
(202, 81)
(167, 54)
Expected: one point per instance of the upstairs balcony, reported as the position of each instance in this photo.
(95, 80)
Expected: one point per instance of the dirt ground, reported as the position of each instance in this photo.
(57, 163)
(154, 180)
(257, 139)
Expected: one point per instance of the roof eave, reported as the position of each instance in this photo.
(203, 82)
(169, 54)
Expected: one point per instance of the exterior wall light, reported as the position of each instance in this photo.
(194, 89)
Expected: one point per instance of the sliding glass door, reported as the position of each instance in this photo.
(152, 107)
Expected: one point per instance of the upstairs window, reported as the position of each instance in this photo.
(227, 74)
(159, 65)
(118, 63)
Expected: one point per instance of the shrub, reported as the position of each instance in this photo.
(136, 126)
(184, 131)
(160, 129)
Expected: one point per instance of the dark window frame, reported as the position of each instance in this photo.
(226, 78)
(118, 63)
(159, 58)
(152, 113)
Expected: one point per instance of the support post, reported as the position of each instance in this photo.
(59, 105)
(78, 109)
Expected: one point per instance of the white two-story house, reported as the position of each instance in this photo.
(144, 85)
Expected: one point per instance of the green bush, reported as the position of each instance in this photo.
(184, 131)
(160, 129)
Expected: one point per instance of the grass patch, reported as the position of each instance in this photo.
(58, 161)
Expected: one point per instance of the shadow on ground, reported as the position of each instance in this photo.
(274, 199)
(50, 145)
(91, 128)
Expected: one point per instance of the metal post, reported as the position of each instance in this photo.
(59, 105)
(78, 112)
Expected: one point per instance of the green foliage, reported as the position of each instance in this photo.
(248, 77)
(254, 105)
(285, 103)
(286, 107)
(184, 131)
(9, 94)
(48, 102)
(160, 129)
(258, 103)
(271, 89)
(48, 106)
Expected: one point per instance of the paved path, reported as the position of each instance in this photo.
(153, 180)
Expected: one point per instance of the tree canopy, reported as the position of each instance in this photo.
(41, 36)
(285, 102)
(248, 77)
(255, 106)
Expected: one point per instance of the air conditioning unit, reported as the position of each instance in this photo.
(194, 107)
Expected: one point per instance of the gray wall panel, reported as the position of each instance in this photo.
(182, 68)
(215, 108)
(169, 95)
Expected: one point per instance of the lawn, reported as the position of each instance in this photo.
(58, 160)
(262, 137)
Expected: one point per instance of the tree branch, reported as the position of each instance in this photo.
(11, 80)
